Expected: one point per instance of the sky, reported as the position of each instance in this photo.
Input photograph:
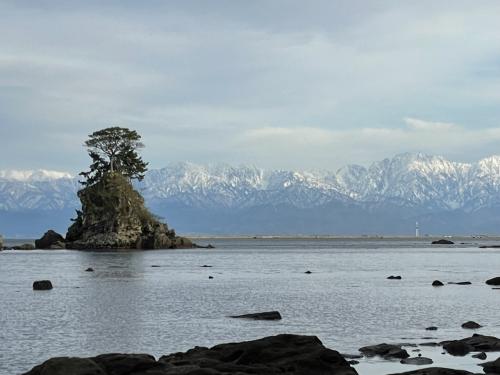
(272, 83)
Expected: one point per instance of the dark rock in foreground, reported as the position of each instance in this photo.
(471, 325)
(282, 354)
(443, 242)
(268, 315)
(50, 240)
(437, 283)
(494, 281)
(42, 285)
(475, 343)
(492, 367)
(385, 351)
(435, 371)
(417, 361)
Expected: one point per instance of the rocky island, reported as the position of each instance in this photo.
(113, 214)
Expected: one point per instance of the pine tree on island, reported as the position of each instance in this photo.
(113, 213)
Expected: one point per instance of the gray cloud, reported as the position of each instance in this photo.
(275, 83)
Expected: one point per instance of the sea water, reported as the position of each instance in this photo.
(163, 301)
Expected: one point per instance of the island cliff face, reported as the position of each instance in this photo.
(114, 216)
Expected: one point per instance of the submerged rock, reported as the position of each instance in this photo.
(281, 354)
(114, 216)
(50, 240)
(42, 285)
(385, 351)
(268, 315)
(417, 361)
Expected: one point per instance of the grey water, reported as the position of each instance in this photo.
(127, 305)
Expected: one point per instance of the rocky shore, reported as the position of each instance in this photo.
(281, 354)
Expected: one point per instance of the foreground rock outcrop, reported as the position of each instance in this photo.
(435, 371)
(114, 216)
(475, 343)
(281, 354)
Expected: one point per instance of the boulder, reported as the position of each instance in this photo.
(437, 283)
(492, 367)
(493, 281)
(49, 239)
(268, 315)
(457, 348)
(42, 285)
(481, 356)
(471, 325)
(417, 361)
(386, 351)
(443, 242)
(482, 343)
(435, 371)
(281, 354)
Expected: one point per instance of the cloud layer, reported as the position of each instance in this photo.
(279, 84)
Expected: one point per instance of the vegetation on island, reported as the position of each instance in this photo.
(113, 213)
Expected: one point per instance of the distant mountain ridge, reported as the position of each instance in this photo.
(385, 198)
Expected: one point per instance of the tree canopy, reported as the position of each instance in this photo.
(114, 149)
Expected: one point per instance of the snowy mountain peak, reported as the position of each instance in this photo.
(33, 175)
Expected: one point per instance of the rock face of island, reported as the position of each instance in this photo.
(281, 354)
(114, 216)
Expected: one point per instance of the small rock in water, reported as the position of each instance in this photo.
(494, 281)
(481, 356)
(155, 266)
(471, 325)
(437, 283)
(417, 361)
(308, 272)
(392, 277)
(460, 283)
(443, 242)
(206, 266)
(457, 348)
(210, 277)
(268, 315)
(90, 269)
(431, 328)
(42, 285)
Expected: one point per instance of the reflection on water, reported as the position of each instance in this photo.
(126, 305)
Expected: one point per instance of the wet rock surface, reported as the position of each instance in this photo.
(281, 354)
(387, 351)
(492, 367)
(417, 361)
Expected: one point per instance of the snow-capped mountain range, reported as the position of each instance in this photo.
(416, 186)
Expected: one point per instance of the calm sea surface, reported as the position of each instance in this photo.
(127, 305)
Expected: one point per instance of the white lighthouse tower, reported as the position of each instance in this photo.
(417, 230)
